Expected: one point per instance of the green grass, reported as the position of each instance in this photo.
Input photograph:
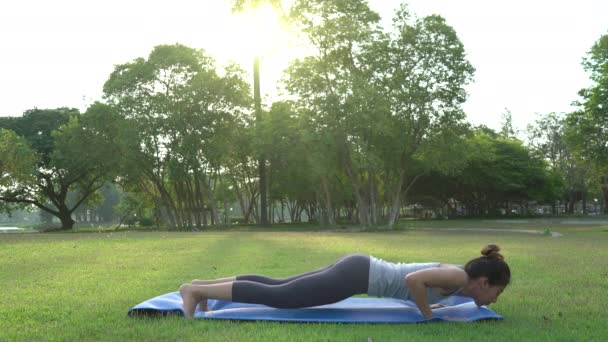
(79, 286)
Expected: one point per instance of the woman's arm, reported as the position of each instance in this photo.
(443, 277)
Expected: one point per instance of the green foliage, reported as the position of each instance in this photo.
(506, 125)
(17, 160)
(372, 113)
(37, 126)
(385, 106)
(495, 171)
(71, 152)
(588, 126)
(547, 138)
(134, 207)
(185, 117)
(17, 164)
(98, 207)
(290, 165)
(89, 147)
(503, 169)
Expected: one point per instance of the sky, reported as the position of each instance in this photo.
(527, 53)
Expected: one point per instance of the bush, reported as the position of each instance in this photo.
(146, 221)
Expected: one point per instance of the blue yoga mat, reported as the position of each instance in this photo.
(351, 310)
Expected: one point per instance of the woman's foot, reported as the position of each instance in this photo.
(190, 300)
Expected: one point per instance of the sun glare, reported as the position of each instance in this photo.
(258, 32)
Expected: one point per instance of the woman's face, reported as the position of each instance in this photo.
(488, 295)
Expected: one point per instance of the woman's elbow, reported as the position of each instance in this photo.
(411, 280)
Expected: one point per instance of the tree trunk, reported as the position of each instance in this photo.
(261, 161)
(604, 186)
(198, 199)
(373, 205)
(322, 216)
(331, 220)
(291, 209)
(65, 217)
(394, 215)
(363, 207)
(167, 203)
(584, 194)
(227, 220)
(239, 196)
(396, 205)
(215, 218)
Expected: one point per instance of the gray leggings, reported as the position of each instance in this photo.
(340, 280)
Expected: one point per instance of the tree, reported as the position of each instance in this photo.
(500, 171)
(65, 151)
(427, 74)
(100, 206)
(506, 125)
(547, 138)
(17, 164)
(184, 116)
(588, 127)
(294, 169)
(381, 103)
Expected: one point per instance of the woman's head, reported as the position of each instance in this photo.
(491, 265)
(489, 274)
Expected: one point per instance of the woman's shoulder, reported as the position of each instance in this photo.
(456, 273)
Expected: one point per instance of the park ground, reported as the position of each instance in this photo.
(79, 286)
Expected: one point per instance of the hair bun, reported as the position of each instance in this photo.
(492, 251)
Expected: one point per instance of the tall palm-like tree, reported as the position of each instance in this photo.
(239, 6)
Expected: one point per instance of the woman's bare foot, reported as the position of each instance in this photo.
(190, 300)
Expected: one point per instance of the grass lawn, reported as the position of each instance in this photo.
(79, 286)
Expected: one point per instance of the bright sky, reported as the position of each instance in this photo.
(59, 53)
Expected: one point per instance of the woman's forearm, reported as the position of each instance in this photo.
(418, 290)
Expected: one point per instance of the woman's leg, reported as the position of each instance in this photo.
(278, 281)
(214, 281)
(260, 278)
(198, 294)
(345, 278)
(255, 278)
(203, 303)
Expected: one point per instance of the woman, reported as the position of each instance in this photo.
(482, 279)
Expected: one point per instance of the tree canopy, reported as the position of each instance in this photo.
(48, 153)
(372, 121)
(587, 128)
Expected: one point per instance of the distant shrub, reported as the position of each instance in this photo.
(146, 221)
